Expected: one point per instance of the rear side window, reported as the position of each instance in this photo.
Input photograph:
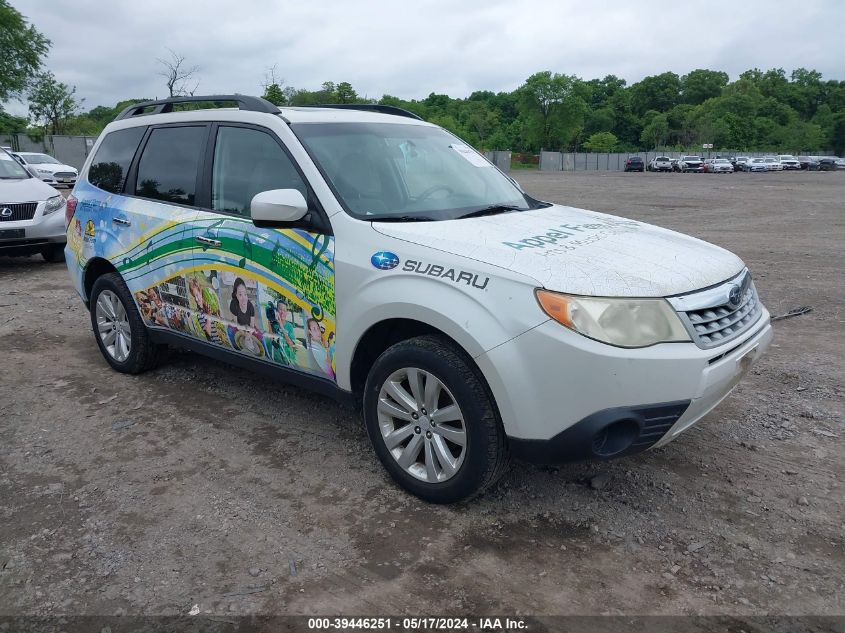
(111, 163)
(247, 162)
(168, 167)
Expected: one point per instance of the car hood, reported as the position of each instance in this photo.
(25, 190)
(53, 167)
(578, 252)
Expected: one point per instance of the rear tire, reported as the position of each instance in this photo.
(118, 328)
(54, 253)
(421, 448)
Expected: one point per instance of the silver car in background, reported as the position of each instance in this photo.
(773, 163)
(49, 169)
(756, 165)
(32, 218)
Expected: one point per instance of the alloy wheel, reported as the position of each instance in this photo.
(422, 425)
(113, 326)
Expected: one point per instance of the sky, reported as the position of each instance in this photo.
(108, 48)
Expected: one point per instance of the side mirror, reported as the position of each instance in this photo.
(277, 206)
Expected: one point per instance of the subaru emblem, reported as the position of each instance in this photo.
(735, 295)
(384, 260)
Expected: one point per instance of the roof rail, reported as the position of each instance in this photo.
(369, 107)
(163, 106)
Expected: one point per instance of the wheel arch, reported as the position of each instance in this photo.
(388, 332)
(95, 268)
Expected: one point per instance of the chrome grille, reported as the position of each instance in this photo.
(712, 319)
(17, 211)
(64, 174)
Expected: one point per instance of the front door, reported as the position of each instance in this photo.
(266, 293)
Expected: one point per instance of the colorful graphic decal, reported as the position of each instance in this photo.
(266, 293)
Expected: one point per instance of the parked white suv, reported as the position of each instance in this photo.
(30, 221)
(690, 164)
(377, 258)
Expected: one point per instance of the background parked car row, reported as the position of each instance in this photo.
(726, 165)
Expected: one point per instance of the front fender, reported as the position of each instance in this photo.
(477, 319)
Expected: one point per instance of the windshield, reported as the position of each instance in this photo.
(10, 169)
(39, 159)
(685, 158)
(721, 161)
(392, 170)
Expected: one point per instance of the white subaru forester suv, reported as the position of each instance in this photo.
(376, 258)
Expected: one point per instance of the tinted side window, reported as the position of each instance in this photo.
(168, 167)
(108, 171)
(247, 162)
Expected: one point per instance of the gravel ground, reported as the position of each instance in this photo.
(201, 484)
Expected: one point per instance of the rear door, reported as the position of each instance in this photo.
(267, 293)
(157, 223)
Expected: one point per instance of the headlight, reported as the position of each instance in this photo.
(54, 204)
(43, 171)
(620, 322)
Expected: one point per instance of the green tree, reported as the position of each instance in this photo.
(481, 121)
(275, 95)
(51, 103)
(21, 49)
(599, 119)
(659, 92)
(700, 85)
(553, 108)
(272, 85)
(345, 93)
(10, 124)
(837, 137)
(656, 133)
(601, 142)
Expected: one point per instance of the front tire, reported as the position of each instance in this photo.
(118, 328)
(432, 421)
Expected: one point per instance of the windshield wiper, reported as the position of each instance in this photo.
(401, 218)
(493, 209)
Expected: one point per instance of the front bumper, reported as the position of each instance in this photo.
(62, 182)
(557, 390)
(30, 236)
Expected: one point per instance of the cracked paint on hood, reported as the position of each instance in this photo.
(578, 251)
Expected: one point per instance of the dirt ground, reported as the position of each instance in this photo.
(202, 484)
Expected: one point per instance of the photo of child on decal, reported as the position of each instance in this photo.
(207, 308)
(241, 306)
(320, 357)
(284, 331)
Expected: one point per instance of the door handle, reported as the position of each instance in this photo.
(122, 221)
(207, 240)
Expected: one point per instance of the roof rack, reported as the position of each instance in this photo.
(163, 106)
(368, 107)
